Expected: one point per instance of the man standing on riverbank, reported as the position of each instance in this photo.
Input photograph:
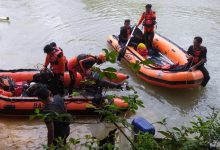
(57, 127)
(198, 58)
(148, 19)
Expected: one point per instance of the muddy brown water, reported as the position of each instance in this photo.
(83, 26)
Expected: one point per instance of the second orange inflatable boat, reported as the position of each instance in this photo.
(162, 77)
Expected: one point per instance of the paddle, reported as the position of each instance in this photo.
(165, 59)
(123, 50)
(152, 67)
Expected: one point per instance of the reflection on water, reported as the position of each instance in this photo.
(83, 26)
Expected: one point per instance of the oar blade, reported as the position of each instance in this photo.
(121, 53)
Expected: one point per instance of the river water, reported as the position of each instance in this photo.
(83, 26)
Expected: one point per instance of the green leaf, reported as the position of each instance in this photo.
(140, 103)
(75, 93)
(106, 51)
(110, 69)
(135, 66)
(113, 56)
(96, 69)
(176, 129)
(37, 111)
(110, 75)
(101, 75)
(162, 122)
(166, 134)
(147, 62)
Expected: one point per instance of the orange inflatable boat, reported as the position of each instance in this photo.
(11, 104)
(27, 75)
(172, 53)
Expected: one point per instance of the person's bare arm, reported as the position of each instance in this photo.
(140, 20)
(202, 61)
(50, 133)
(46, 63)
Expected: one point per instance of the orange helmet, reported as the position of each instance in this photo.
(101, 58)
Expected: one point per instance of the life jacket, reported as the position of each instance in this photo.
(57, 61)
(197, 54)
(65, 59)
(73, 63)
(149, 21)
(143, 52)
(54, 56)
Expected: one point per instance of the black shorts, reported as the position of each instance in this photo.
(149, 35)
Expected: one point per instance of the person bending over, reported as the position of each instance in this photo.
(82, 64)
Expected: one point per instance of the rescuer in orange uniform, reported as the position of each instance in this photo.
(56, 60)
(148, 19)
(54, 45)
(82, 64)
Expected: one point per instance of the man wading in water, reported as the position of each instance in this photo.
(198, 58)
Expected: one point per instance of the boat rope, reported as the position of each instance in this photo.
(18, 70)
